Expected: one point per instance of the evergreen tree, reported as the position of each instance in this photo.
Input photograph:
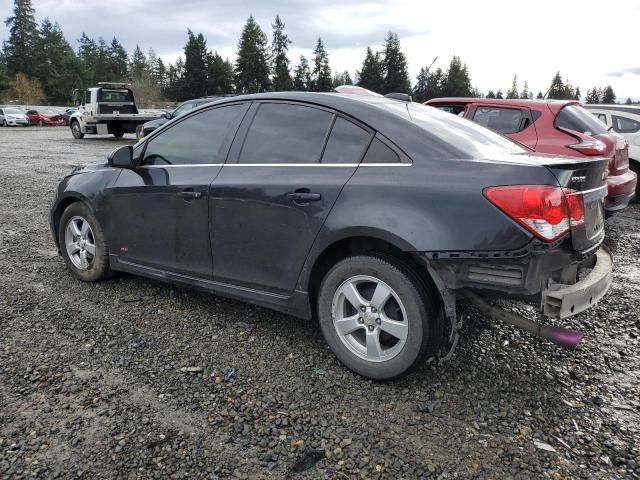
(138, 67)
(577, 94)
(20, 49)
(499, 95)
(513, 91)
(118, 62)
(371, 76)
(56, 64)
(88, 53)
(436, 83)
(628, 102)
(457, 82)
(302, 76)
(321, 74)
(342, 79)
(608, 96)
(540, 96)
(4, 84)
(560, 90)
(252, 65)
(419, 93)
(491, 94)
(396, 78)
(279, 46)
(195, 66)
(219, 75)
(593, 97)
(525, 91)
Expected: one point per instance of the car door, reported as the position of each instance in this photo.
(158, 211)
(286, 168)
(514, 122)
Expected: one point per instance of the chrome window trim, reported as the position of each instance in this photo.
(343, 165)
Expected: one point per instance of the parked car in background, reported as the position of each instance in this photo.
(67, 115)
(369, 214)
(13, 117)
(624, 120)
(180, 110)
(559, 127)
(48, 119)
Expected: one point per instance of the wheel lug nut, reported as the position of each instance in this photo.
(370, 327)
(360, 320)
(373, 309)
(378, 321)
(363, 308)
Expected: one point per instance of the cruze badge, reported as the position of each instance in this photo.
(580, 179)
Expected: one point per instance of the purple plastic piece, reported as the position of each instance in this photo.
(562, 336)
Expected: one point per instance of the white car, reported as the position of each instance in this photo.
(625, 120)
(10, 116)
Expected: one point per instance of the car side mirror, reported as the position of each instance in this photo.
(167, 115)
(121, 157)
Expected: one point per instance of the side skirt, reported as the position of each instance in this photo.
(296, 304)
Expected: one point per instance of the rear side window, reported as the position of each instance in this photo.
(601, 116)
(379, 152)
(199, 139)
(625, 125)
(455, 109)
(346, 143)
(579, 120)
(285, 133)
(503, 120)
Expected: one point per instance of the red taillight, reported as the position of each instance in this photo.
(546, 211)
(593, 147)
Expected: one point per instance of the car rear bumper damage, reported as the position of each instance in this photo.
(535, 278)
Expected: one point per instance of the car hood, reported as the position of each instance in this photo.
(155, 123)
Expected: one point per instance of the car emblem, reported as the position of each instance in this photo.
(579, 179)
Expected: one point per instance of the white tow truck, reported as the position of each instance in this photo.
(108, 108)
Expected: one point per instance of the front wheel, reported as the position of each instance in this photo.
(4, 123)
(76, 131)
(83, 244)
(378, 317)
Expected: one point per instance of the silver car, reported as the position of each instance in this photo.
(12, 117)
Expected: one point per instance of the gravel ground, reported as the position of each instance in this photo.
(131, 378)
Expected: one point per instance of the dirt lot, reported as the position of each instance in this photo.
(95, 380)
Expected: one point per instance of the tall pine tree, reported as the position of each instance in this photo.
(19, 50)
(195, 66)
(252, 64)
(280, 44)
(457, 82)
(513, 91)
(219, 75)
(371, 76)
(321, 74)
(396, 78)
(419, 93)
(118, 62)
(302, 76)
(608, 96)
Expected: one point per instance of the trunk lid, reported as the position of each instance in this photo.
(585, 177)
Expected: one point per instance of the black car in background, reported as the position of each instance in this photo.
(372, 215)
(181, 109)
(67, 115)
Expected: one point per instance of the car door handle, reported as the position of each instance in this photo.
(190, 195)
(304, 196)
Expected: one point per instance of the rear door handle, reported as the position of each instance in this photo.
(304, 196)
(190, 195)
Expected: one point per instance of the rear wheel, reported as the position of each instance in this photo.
(378, 317)
(76, 131)
(83, 244)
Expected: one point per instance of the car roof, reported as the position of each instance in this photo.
(635, 109)
(515, 102)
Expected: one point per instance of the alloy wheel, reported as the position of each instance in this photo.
(370, 318)
(80, 243)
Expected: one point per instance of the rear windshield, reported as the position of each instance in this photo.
(465, 135)
(578, 119)
(12, 111)
(115, 96)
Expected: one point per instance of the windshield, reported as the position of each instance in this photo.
(471, 138)
(182, 109)
(12, 111)
(576, 118)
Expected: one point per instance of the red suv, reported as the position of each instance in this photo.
(560, 127)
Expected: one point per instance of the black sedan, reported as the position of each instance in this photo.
(372, 216)
(180, 110)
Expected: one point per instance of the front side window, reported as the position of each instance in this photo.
(625, 125)
(503, 120)
(182, 109)
(199, 139)
(346, 143)
(454, 109)
(286, 133)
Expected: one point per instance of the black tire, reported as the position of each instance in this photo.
(421, 303)
(118, 134)
(4, 123)
(76, 131)
(99, 267)
(636, 168)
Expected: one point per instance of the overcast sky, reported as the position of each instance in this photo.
(591, 42)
